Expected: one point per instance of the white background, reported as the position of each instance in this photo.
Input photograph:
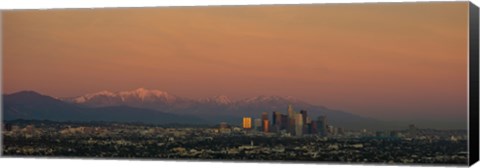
(87, 163)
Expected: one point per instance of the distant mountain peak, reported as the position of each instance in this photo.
(264, 98)
(139, 94)
(30, 96)
(27, 92)
(101, 93)
(222, 99)
(144, 94)
(216, 108)
(89, 96)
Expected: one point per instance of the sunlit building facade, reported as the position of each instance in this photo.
(266, 126)
(264, 118)
(247, 122)
(298, 124)
(292, 123)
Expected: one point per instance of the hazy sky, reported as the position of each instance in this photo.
(380, 60)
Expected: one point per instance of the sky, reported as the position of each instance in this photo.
(386, 61)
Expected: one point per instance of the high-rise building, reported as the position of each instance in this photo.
(314, 128)
(322, 125)
(274, 117)
(277, 121)
(298, 124)
(264, 118)
(257, 124)
(308, 128)
(265, 126)
(284, 122)
(291, 119)
(290, 111)
(247, 123)
(304, 115)
(291, 124)
(304, 120)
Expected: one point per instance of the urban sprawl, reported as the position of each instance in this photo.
(285, 137)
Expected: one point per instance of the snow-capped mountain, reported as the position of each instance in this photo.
(159, 107)
(32, 105)
(270, 99)
(143, 94)
(220, 100)
(108, 98)
(157, 99)
(215, 109)
(88, 97)
(138, 96)
(164, 101)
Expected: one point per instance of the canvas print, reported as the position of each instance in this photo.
(374, 83)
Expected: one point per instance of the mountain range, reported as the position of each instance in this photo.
(32, 105)
(155, 106)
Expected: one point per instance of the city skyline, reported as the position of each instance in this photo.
(393, 67)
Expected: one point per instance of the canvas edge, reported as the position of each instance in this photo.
(473, 138)
(1, 81)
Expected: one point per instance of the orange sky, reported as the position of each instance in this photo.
(380, 60)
